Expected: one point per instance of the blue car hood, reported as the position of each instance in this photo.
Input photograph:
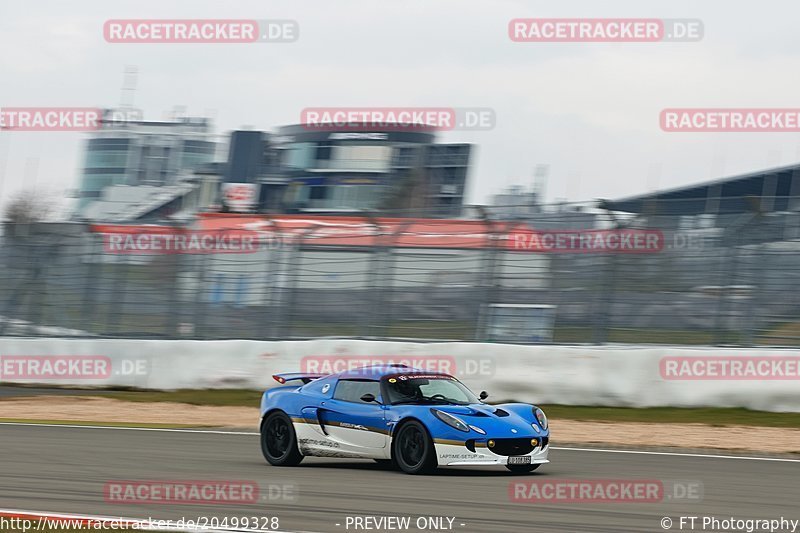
(475, 409)
(496, 419)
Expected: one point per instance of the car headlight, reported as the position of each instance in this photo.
(540, 416)
(450, 420)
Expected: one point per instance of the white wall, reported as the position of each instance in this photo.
(609, 375)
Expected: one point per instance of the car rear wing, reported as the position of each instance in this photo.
(305, 377)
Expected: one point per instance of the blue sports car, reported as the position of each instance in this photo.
(397, 415)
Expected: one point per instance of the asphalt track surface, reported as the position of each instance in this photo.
(64, 469)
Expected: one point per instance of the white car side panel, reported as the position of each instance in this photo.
(344, 442)
(357, 437)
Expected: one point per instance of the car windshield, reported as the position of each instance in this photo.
(428, 389)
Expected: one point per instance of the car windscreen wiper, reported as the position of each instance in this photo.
(446, 401)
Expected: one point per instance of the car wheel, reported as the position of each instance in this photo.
(522, 469)
(413, 449)
(278, 440)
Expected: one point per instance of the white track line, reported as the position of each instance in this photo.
(125, 428)
(563, 448)
(678, 454)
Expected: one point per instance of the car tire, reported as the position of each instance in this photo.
(522, 469)
(279, 441)
(413, 450)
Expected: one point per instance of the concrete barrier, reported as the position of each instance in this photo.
(634, 376)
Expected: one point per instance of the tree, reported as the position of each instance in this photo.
(29, 206)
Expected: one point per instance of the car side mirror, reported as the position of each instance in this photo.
(368, 398)
(483, 395)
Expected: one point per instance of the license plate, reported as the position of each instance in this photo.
(520, 460)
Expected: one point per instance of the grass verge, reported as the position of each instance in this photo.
(105, 424)
(218, 397)
(664, 415)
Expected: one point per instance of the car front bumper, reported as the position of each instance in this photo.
(449, 453)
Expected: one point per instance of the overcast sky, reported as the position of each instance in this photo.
(590, 111)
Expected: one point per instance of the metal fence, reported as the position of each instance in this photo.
(601, 276)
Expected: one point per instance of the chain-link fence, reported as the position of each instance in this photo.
(555, 273)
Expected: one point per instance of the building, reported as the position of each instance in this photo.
(776, 189)
(515, 202)
(333, 170)
(137, 153)
(322, 170)
(768, 200)
(244, 181)
(295, 170)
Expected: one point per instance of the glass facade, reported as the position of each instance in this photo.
(360, 157)
(196, 153)
(350, 170)
(143, 153)
(300, 156)
(315, 194)
(105, 164)
(355, 196)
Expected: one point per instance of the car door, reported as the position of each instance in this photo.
(358, 426)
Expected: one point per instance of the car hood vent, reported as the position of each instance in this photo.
(465, 411)
(481, 412)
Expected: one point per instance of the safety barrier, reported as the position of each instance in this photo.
(622, 375)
